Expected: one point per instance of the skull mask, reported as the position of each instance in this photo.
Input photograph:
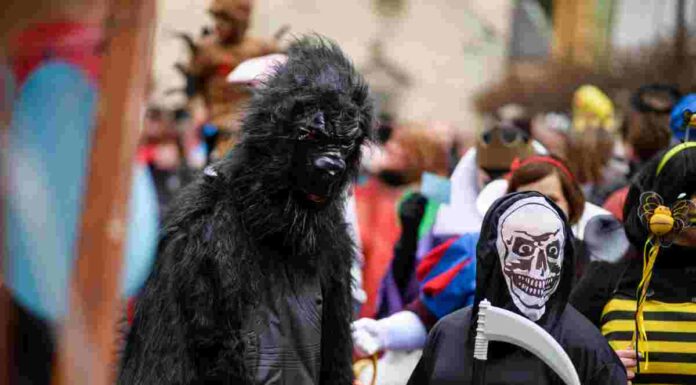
(530, 245)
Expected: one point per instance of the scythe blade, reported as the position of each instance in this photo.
(496, 324)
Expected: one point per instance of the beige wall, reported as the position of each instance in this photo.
(439, 43)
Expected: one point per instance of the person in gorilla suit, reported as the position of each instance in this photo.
(252, 280)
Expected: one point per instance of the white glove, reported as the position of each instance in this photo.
(401, 331)
(368, 336)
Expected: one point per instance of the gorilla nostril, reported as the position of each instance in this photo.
(330, 164)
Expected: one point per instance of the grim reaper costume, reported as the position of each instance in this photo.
(525, 265)
(252, 280)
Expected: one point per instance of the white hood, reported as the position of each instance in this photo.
(461, 216)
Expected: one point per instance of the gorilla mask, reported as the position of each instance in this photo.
(326, 142)
(300, 147)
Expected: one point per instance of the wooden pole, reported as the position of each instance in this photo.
(87, 342)
(18, 16)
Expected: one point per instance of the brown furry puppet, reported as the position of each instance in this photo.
(252, 281)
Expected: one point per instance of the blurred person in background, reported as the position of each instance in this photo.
(411, 150)
(645, 132)
(552, 131)
(162, 150)
(214, 104)
(503, 138)
(608, 293)
(593, 153)
(646, 129)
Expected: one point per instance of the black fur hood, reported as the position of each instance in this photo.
(316, 76)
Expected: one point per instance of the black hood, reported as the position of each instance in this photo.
(491, 282)
(676, 178)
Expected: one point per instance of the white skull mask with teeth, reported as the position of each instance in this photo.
(530, 245)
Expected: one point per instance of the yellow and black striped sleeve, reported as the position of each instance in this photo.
(671, 345)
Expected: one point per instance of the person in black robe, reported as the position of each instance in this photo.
(524, 265)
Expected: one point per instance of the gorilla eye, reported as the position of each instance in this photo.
(553, 249)
(523, 247)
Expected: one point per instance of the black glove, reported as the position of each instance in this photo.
(411, 211)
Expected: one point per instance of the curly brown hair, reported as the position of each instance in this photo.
(647, 132)
(427, 152)
(588, 152)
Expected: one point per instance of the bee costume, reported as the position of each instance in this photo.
(648, 302)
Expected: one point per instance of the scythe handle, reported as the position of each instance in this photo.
(480, 346)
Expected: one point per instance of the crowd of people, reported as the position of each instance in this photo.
(424, 260)
(580, 221)
(423, 213)
(617, 271)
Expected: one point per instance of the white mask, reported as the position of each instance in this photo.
(530, 245)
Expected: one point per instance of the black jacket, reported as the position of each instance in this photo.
(672, 281)
(448, 356)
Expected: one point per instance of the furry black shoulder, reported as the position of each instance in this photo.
(252, 276)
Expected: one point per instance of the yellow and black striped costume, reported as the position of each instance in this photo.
(671, 346)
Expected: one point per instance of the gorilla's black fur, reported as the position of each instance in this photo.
(274, 204)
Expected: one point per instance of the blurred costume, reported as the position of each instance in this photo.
(376, 205)
(500, 142)
(677, 123)
(656, 120)
(212, 59)
(525, 267)
(416, 215)
(447, 276)
(592, 108)
(596, 158)
(162, 150)
(646, 129)
(411, 150)
(619, 297)
(252, 281)
(497, 145)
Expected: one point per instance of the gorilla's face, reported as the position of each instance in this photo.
(325, 155)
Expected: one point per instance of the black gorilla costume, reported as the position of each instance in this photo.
(252, 282)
